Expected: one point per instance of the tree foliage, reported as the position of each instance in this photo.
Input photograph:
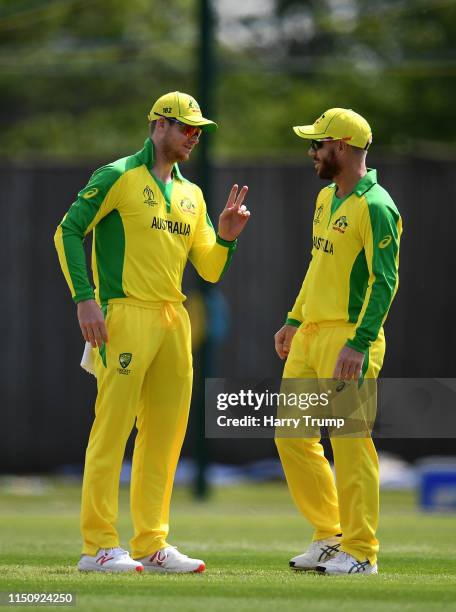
(78, 77)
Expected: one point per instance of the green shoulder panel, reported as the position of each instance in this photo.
(81, 216)
(110, 256)
(359, 278)
(385, 225)
(76, 223)
(83, 211)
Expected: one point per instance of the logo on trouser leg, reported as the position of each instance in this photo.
(124, 360)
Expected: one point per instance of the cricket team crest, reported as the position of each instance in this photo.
(341, 224)
(187, 206)
(125, 360)
(149, 196)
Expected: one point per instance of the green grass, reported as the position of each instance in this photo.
(246, 534)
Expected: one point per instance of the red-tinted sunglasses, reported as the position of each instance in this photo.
(188, 130)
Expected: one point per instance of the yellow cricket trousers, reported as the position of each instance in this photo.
(144, 372)
(351, 504)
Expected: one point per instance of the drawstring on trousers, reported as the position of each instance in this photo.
(309, 331)
(169, 315)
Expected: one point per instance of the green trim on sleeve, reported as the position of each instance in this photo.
(231, 248)
(356, 346)
(231, 244)
(293, 322)
(84, 296)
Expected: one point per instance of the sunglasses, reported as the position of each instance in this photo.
(315, 145)
(188, 130)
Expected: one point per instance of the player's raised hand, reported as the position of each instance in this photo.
(282, 340)
(92, 323)
(235, 214)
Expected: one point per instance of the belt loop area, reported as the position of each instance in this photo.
(309, 331)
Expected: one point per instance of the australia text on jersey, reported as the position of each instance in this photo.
(173, 227)
(323, 244)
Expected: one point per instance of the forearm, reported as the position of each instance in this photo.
(212, 261)
(377, 303)
(295, 316)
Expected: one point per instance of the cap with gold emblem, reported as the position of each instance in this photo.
(181, 106)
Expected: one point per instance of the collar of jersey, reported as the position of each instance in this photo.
(366, 182)
(147, 156)
(363, 184)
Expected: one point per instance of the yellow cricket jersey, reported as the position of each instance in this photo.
(144, 232)
(353, 273)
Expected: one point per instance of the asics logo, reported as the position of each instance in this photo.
(90, 194)
(357, 568)
(328, 552)
(385, 242)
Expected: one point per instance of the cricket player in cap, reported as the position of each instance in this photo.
(334, 331)
(147, 221)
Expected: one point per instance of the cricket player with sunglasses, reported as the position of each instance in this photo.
(335, 331)
(147, 222)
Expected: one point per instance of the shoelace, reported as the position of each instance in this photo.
(328, 551)
(178, 552)
(356, 566)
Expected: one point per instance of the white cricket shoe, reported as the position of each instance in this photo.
(109, 560)
(343, 563)
(169, 559)
(317, 553)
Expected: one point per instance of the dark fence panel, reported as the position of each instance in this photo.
(47, 401)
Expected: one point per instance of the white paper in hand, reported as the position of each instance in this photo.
(88, 359)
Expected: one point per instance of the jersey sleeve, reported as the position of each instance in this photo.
(210, 254)
(93, 203)
(294, 317)
(381, 228)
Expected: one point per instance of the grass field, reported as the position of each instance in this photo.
(246, 534)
